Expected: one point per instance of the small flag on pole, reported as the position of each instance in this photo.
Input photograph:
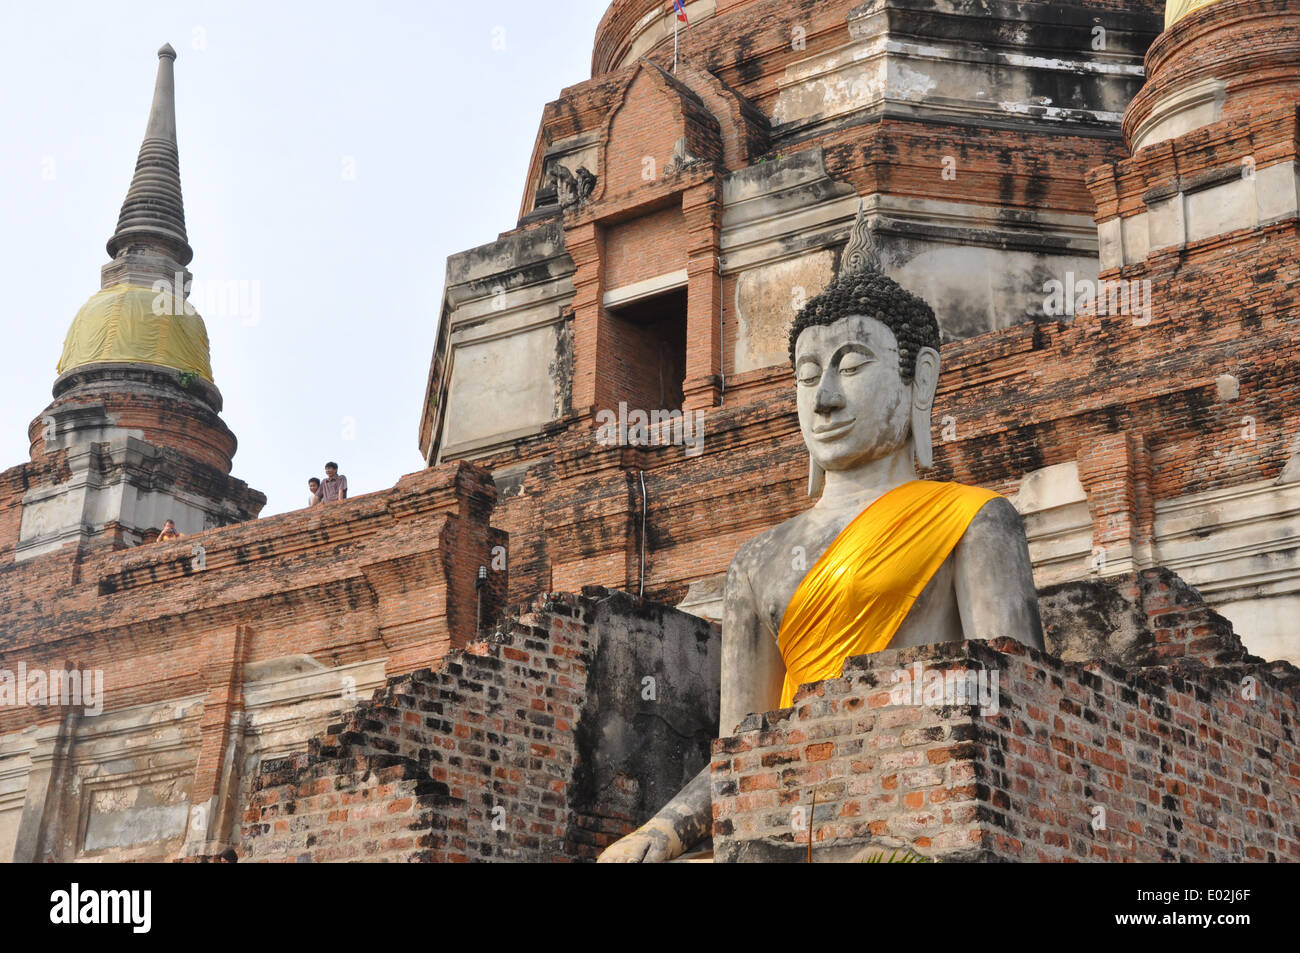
(680, 7)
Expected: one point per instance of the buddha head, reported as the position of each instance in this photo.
(865, 354)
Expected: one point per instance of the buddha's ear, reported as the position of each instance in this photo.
(816, 478)
(924, 382)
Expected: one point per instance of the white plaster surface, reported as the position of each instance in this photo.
(1191, 107)
(766, 301)
(502, 385)
(1252, 198)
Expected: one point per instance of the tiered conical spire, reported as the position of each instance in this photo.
(128, 321)
(153, 213)
(135, 409)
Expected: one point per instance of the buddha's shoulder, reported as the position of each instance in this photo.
(992, 509)
(968, 490)
(772, 542)
(996, 518)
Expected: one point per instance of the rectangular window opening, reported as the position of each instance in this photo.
(651, 352)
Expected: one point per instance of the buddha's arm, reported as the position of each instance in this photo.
(680, 824)
(752, 673)
(752, 669)
(994, 579)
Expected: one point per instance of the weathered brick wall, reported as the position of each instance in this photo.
(1135, 619)
(578, 520)
(539, 744)
(656, 112)
(755, 65)
(1182, 626)
(14, 484)
(645, 247)
(384, 578)
(399, 581)
(152, 402)
(1078, 761)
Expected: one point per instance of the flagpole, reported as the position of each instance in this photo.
(676, 20)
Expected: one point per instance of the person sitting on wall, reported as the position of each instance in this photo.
(169, 532)
(335, 487)
(313, 487)
(882, 559)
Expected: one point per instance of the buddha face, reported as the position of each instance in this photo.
(854, 406)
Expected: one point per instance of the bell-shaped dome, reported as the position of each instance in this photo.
(134, 324)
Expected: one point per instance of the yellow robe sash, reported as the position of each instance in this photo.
(860, 591)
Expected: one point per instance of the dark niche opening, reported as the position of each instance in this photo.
(650, 360)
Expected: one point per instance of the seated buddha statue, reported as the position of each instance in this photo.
(882, 559)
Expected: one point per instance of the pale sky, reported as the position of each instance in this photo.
(432, 106)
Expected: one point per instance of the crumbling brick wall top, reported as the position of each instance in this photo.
(995, 751)
(539, 744)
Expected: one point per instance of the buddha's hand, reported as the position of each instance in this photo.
(652, 843)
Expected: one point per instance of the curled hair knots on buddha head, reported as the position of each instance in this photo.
(871, 294)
